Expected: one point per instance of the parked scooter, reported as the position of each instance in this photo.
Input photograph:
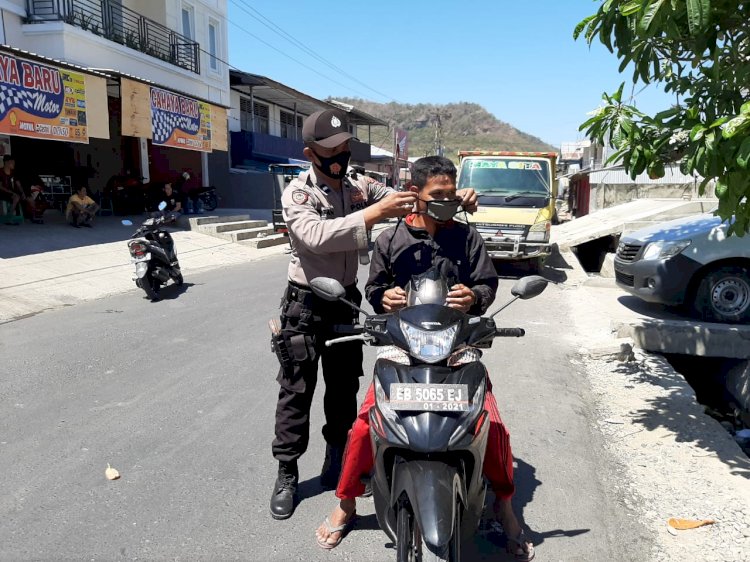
(428, 426)
(153, 253)
(208, 198)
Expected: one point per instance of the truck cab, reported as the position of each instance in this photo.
(516, 197)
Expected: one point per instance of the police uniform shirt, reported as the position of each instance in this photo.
(327, 226)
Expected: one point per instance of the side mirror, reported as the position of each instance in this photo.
(327, 288)
(127, 222)
(529, 287)
(162, 205)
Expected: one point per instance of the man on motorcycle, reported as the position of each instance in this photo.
(430, 238)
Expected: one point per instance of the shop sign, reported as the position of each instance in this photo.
(41, 101)
(179, 121)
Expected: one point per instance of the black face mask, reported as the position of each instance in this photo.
(342, 159)
(442, 210)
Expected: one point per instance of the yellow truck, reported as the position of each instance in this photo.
(517, 192)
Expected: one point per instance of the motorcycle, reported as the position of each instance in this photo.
(153, 253)
(209, 198)
(428, 426)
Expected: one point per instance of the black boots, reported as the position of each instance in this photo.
(329, 475)
(284, 490)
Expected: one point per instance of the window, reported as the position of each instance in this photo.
(288, 128)
(213, 46)
(188, 28)
(255, 120)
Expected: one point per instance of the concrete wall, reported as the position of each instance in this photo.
(738, 385)
(218, 172)
(608, 195)
(248, 191)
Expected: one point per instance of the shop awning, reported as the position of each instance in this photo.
(51, 99)
(268, 90)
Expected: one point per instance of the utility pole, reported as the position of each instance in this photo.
(437, 119)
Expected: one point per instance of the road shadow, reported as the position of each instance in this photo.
(310, 488)
(56, 234)
(171, 291)
(653, 310)
(489, 542)
(554, 268)
(676, 411)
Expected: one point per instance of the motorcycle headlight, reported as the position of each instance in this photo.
(664, 250)
(429, 346)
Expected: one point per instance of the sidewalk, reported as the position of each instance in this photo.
(53, 265)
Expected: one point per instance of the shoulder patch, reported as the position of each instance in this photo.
(300, 197)
(356, 195)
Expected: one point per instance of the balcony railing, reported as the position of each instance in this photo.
(112, 20)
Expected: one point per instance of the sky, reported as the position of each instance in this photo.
(516, 58)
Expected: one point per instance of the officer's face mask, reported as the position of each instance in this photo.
(441, 210)
(334, 166)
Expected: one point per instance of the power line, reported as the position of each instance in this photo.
(297, 43)
(307, 66)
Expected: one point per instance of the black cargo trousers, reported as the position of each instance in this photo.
(307, 321)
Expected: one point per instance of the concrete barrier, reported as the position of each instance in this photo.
(688, 338)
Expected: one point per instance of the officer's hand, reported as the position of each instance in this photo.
(394, 205)
(397, 204)
(461, 298)
(393, 299)
(469, 199)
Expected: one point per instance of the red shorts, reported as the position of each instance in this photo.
(358, 460)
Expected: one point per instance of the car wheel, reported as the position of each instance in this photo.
(723, 295)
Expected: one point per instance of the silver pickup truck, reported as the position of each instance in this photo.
(691, 262)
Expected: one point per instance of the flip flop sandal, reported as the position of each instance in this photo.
(519, 548)
(343, 529)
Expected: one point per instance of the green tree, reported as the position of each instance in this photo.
(699, 50)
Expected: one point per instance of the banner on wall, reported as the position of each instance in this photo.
(179, 121)
(41, 101)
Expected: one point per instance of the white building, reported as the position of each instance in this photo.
(143, 66)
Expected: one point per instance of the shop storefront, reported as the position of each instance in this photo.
(53, 116)
(176, 132)
(70, 126)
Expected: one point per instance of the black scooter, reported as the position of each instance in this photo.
(209, 198)
(429, 427)
(153, 253)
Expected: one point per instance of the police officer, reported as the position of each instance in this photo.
(328, 214)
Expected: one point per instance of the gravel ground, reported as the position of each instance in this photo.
(674, 460)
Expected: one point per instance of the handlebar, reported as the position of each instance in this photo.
(360, 337)
(510, 332)
(347, 329)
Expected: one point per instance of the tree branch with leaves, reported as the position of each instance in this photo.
(698, 50)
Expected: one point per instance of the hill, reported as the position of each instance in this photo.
(469, 127)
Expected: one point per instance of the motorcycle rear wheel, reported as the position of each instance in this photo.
(150, 286)
(210, 202)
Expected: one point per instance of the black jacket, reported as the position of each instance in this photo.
(457, 249)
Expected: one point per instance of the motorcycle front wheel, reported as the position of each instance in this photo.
(408, 538)
(411, 546)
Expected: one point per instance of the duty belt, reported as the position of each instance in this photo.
(300, 294)
(305, 296)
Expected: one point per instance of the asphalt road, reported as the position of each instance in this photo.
(179, 396)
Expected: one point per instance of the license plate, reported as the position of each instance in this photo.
(429, 397)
